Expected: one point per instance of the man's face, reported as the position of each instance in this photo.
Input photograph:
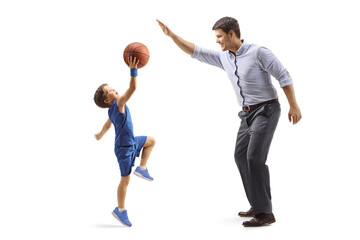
(223, 39)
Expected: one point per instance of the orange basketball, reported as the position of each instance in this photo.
(138, 50)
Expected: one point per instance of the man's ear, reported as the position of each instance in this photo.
(231, 33)
(107, 101)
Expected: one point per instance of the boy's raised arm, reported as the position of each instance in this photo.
(133, 82)
(105, 128)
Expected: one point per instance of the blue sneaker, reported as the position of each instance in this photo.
(122, 217)
(143, 174)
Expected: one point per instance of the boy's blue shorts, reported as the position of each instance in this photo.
(126, 155)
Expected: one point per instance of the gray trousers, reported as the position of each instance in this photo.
(252, 146)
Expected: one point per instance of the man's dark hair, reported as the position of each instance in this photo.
(226, 24)
(99, 97)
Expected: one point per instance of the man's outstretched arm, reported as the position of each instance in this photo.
(187, 47)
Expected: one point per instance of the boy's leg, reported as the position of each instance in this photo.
(121, 191)
(118, 213)
(146, 151)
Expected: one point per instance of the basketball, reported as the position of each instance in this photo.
(138, 50)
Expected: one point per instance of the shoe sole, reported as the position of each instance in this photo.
(139, 175)
(271, 222)
(261, 225)
(248, 216)
(125, 225)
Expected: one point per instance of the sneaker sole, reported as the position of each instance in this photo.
(125, 225)
(139, 175)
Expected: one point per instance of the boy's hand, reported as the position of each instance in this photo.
(98, 136)
(133, 62)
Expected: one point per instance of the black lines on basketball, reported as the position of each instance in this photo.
(138, 50)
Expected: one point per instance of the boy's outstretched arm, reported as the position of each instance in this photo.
(186, 46)
(105, 128)
(133, 82)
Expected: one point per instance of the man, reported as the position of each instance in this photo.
(249, 68)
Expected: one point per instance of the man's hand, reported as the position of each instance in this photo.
(294, 114)
(186, 46)
(165, 28)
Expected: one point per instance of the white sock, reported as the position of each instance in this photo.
(143, 168)
(121, 209)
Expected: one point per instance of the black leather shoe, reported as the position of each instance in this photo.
(261, 219)
(249, 213)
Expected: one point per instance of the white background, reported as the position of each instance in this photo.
(58, 182)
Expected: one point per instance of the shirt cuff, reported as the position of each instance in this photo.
(196, 52)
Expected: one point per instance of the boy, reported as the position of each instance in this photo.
(127, 147)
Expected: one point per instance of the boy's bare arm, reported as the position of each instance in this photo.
(105, 128)
(133, 83)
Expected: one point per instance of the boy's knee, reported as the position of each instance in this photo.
(151, 140)
(125, 180)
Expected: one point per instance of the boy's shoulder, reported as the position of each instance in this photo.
(114, 109)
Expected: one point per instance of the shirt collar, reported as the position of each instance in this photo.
(242, 48)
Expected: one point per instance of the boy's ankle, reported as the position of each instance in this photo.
(121, 209)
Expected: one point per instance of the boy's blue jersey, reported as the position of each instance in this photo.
(124, 134)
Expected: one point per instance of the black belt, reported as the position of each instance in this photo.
(251, 107)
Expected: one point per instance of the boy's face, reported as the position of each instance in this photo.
(111, 94)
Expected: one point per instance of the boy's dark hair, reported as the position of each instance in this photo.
(226, 24)
(99, 97)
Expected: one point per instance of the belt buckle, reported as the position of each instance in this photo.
(246, 108)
